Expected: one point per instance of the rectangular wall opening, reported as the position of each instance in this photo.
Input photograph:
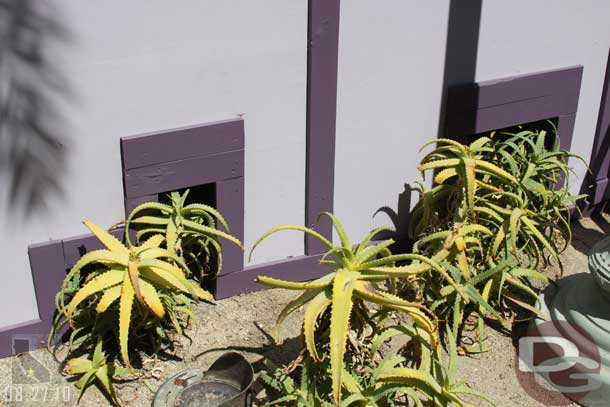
(204, 262)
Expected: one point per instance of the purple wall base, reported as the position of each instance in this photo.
(301, 268)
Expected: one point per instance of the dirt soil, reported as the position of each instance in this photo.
(244, 324)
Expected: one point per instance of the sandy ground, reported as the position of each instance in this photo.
(243, 323)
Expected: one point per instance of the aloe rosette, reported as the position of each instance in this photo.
(356, 272)
(453, 159)
(187, 229)
(128, 275)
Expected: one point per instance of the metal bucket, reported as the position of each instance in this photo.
(225, 384)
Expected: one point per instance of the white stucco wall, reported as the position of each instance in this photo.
(389, 95)
(541, 35)
(141, 66)
(391, 63)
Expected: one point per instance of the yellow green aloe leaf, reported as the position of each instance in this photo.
(411, 376)
(164, 278)
(109, 297)
(530, 225)
(201, 208)
(345, 242)
(99, 283)
(78, 366)
(198, 292)
(444, 175)
(469, 182)
(343, 287)
(449, 162)
(152, 242)
(316, 307)
(298, 228)
(321, 282)
(125, 308)
(106, 238)
(132, 271)
(151, 298)
(291, 307)
(211, 231)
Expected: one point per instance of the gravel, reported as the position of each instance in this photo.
(243, 324)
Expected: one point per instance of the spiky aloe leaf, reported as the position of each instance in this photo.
(106, 238)
(458, 146)
(470, 184)
(99, 283)
(321, 282)
(151, 298)
(341, 308)
(109, 297)
(201, 208)
(444, 175)
(316, 307)
(163, 278)
(412, 377)
(78, 366)
(125, 308)
(495, 170)
(303, 229)
(446, 163)
(291, 307)
(153, 242)
(211, 231)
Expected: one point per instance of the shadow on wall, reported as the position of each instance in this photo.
(32, 151)
(460, 68)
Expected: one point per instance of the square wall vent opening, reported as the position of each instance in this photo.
(203, 194)
(548, 125)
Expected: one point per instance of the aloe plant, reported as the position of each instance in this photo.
(433, 381)
(354, 278)
(127, 275)
(380, 380)
(495, 215)
(98, 369)
(189, 230)
(454, 160)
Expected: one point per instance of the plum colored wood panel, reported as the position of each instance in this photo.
(182, 143)
(48, 259)
(490, 105)
(174, 175)
(209, 153)
(322, 57)
(600, 159)
(301, 268)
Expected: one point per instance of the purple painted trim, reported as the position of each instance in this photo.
(35, 332)
(170, 176)
(322, 60)
(600, 159)
(489, 105)
(202, 154)
(75, 247)
(48, 271)
(565, 128)
(228, 193)
(48, 263)
(182, 143)
(131, 203)
(301, 268)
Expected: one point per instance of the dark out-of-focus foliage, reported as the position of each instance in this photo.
(32, 153)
